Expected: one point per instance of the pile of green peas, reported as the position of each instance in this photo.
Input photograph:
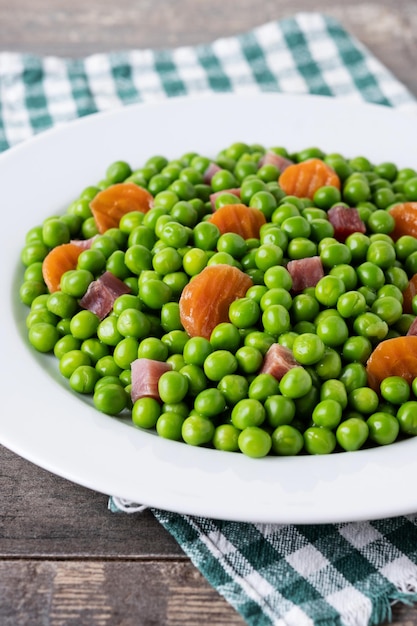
(214, 394)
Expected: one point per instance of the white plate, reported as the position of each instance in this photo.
(46, 423)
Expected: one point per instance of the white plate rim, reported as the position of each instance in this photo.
(49, 425)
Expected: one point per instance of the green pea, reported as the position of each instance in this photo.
(76, 282)
(308, 348)
(363, 400)
(33, 253)
(197, 380)
(351, 304)
(226, 438)
(407, 417)
(325, 197)
(278, 277)
(383, 428)
(276, 319)
(381, 221)
(333, 389)
(244, 312)
(31, 289)
(332, 330)
(126, 352)
(210, 402)
(234, 388)
(304, 307)
(107, 366)
(370, 325)
(72, 359)
(169, 425)
(94, 348)
(263, 386)
(295, 383)
(248, 412)
(352, 434)
(335, 254)
(254, 442)
(117, 172)
(250, 357)
(328, 290)
(110, 399)
(388, 309)
(327, 413)
(172, 387)
(355, 191)
(225, 336)
(395, 389)
(358, 244)
(146, 412)
(264, 201)
(357, 348)
(353, 375)
(287, 440)
(175, 341)
(155, 294)
(107, 331)
(84, 324)
(220, 363)
(197, 430)
(329, 366)
(83, 379)
(43, 336)
(319, 440)
(65, 344)
(280, 410)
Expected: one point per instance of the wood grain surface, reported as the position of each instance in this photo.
(64, 558)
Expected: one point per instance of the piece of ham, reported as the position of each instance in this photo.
(345, 221)
(305, 272)
(101, 294)
(272, 158)
(210, 171)
(216, 194)
(85, 244)
(413, 328)
(278, 361)
(145, 378)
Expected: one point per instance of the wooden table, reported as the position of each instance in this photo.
(64, 558)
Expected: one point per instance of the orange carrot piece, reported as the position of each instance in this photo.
(238, 218)
(109, 205)
(205, 301)
(393, 357)
(408, 294)
(58, 261)
(405, 215)
(303, 179)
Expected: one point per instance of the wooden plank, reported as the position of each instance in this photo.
(44, 515)
(106, 593)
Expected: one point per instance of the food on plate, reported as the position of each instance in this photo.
(259, 301)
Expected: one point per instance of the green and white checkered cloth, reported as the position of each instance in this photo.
(309, 53)
(283, 575)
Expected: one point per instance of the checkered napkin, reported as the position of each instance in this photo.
(283, 575)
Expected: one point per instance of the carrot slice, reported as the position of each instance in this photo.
(238, 218)
(109, 205)
(205, 301)
(58, 261)
(303, 179)
(408, 294)
(393, 357)
(405, 215)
